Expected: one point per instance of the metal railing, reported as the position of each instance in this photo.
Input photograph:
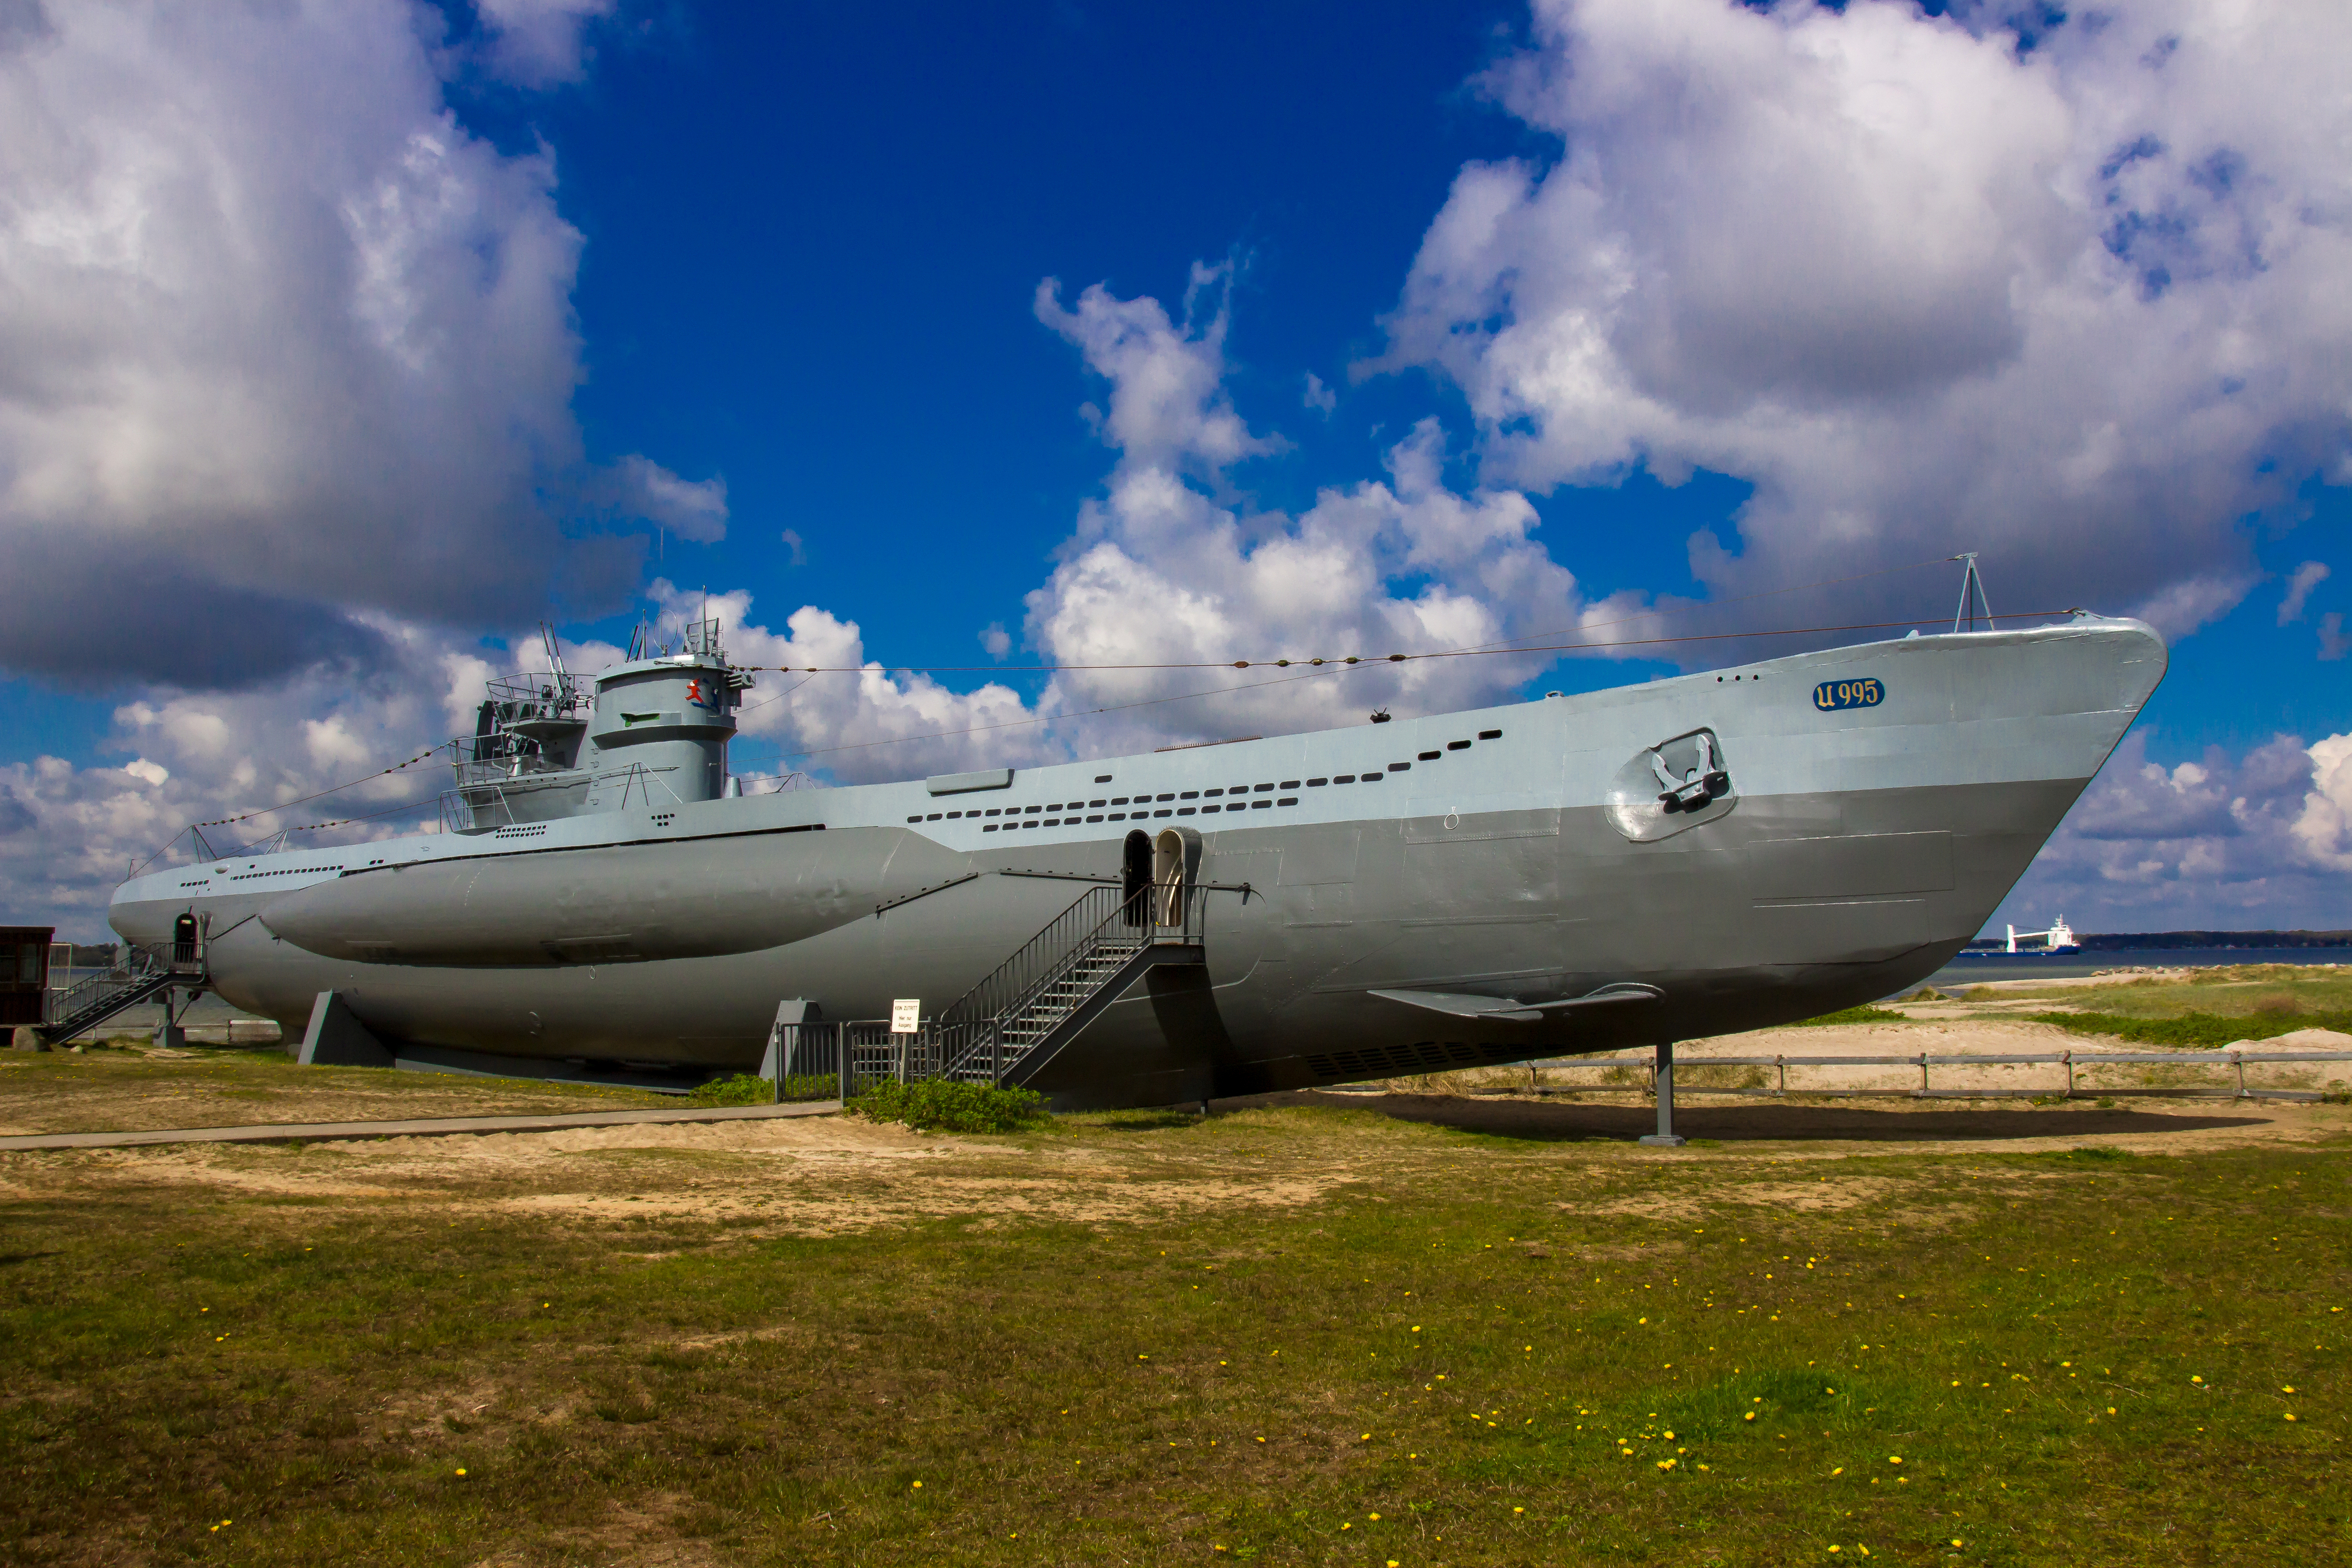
(974, 1037)
(976, 1031)
(140, 969)
(2236, 1062)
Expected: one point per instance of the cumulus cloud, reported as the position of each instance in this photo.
(1162, 571)
(68, 831)
(2334, 642)
(1169, 406)
(2074, 301)
(2257, 840)
(538, 43)
(826, 709)
(282, 346)
(2307, 576)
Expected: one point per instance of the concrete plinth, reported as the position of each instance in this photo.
(336, 1037)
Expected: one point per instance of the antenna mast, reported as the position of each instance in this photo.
(1972, 579)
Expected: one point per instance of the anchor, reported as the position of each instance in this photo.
(1695, 789)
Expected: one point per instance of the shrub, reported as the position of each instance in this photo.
(742, 1088)
(943, 1106)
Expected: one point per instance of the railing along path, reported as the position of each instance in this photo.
(2233, 1058)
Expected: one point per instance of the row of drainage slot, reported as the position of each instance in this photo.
(1188, 794)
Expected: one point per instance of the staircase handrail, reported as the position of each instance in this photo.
(140, 969)
(972, 1022)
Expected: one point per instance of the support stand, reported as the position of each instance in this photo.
(336, 1037)
(1664, 1137)
(783, 1036)
(171, 1034)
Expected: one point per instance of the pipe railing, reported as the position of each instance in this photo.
(2236, 1060)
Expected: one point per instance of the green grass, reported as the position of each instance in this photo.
(2193, 1030)
(1864, 1015)
(2077, 1356)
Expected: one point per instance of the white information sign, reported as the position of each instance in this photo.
(906, 1015)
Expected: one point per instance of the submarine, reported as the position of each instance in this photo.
(1685, 856)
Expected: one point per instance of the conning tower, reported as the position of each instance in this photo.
(654, 732)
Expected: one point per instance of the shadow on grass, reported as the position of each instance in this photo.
(1557, 1122)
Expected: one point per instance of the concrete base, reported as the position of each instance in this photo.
(781, 1035)
(1661, 1141)
(336, 1037)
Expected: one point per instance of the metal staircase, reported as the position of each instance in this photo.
(1038, 1000)
(140, 973)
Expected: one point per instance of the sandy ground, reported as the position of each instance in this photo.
(836, 1174)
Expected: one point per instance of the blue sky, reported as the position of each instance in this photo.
(1506, 319)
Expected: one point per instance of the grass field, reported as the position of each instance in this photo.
(1292, 1335)
(1420, 1332)
(128, 1088)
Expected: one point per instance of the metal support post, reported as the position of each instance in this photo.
(1664, 1137)
(173, 1034)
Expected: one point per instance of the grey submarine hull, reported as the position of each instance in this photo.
(1861, 812)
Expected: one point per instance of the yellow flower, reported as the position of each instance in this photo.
(461, 1472)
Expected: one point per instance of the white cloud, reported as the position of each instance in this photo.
(282, 345)
(2334, 644)
(995, 639)
(1319, 396)
(1169, 406)
(538, 43)
(691, 508)
(2325, 828)
(2256, 841)
(2079, 306)
(1161, 572)
(2307, 576)
(855, 719)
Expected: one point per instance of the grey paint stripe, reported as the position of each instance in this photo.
(435, 1127)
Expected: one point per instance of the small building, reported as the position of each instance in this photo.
(24, 974)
